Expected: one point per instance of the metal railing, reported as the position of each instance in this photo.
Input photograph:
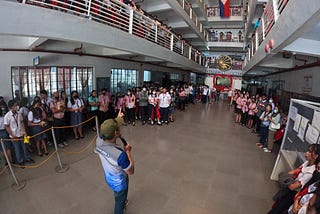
(225, 37)
(281, 5)
(119, 15)
(271, 13)
(188, 8)
(215, 11)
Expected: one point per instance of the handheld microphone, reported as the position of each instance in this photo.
(124, 142)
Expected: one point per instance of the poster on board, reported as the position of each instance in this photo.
(312, 134)
(303, 127)
(293, 112)
(316, 119)
(297, 123)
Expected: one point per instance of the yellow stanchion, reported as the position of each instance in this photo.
(63, 127)
(17, 185)
(36, 165)
(61, 168)
(3, 170)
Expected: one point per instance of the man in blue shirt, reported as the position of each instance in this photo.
(117, 162)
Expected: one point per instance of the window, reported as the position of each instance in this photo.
(147, 76)
(174, 76)
(193, 77)
(122, 79)
(28, 81)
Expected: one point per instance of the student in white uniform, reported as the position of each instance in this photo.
(13, 123)
(164, 103)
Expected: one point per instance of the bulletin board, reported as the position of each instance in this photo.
(303, 129)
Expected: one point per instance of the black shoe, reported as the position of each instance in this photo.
(30, 161)
(22, 165)
(166, 122)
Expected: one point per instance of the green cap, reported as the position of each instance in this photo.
(108, 127)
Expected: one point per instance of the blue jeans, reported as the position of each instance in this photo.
(264, 130)
(21, 151)
(120, 201)
(164, 112)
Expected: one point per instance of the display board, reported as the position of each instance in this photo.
(302, 129)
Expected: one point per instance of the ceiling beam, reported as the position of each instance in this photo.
(35, 42)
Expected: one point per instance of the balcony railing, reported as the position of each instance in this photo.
(119, 15)
(225, 37)
(271, 13)
(215, 11)
(188, 8)
(211, 62)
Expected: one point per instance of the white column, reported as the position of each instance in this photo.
(171, 42)
(156, 34)
(130, 21)
(275, 10)
(256, 39)
(263, 28)
(182, 47)
(190, 50)
(89, 8)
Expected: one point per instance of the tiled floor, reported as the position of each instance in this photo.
(203, 163)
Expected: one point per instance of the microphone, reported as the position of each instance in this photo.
(124, 142)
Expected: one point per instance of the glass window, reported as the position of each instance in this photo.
(174, 76)
(28, 81)
(147, 76)
(122, 79)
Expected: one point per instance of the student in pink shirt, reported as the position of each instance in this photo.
(252, 111)
(119, 103)
(130, 101)
(103, 100)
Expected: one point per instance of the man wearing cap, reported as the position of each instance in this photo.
(117, 162)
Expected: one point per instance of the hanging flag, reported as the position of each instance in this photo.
(224, 8)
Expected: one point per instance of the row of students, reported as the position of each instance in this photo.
(260, 115)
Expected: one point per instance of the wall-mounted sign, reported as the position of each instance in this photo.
(307, 85)
(36, 60)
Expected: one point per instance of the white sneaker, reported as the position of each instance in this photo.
(60, 145)
(126, 206)
(266, 150)
(65, 144)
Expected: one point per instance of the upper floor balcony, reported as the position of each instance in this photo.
(236, 14)
(187, 6)
(110, 13)
(285, 26)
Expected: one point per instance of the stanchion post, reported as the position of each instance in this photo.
(97, 125)
(62, 167)
(17, 185)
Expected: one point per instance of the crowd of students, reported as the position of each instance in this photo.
(148, 104)
(299, 192)
(263, 116)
